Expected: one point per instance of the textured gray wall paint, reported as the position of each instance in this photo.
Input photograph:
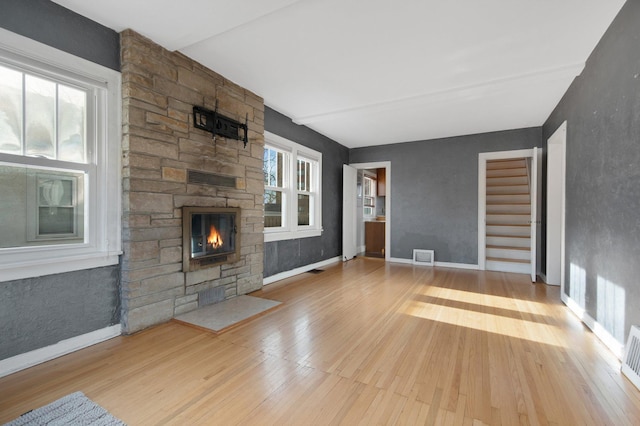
(38, 312)
(280, 256)
(434, 190)
(602, 109)
(52, 24)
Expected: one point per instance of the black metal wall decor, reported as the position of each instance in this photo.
(218, 124)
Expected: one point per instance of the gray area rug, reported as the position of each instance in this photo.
(73, 409)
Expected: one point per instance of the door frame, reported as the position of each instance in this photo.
(483, 157)
(387, 201)
(556, 220)
(349, 216)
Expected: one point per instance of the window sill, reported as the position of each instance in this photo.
(41, 267)
(270, 236)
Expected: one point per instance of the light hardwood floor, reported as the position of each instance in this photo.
(363, 342)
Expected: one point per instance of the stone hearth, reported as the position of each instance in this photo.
(160, 149)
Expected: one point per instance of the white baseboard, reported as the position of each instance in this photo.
(300, 270)
(63, 347)
(440, 264)
(601, 333)
(458, 265)
(400, 260)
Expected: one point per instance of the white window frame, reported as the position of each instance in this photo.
(290, 229)
(102, 218)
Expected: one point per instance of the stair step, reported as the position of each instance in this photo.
(507, 198)
(517, 254)
(492, 246)
(508, 219)
(503, 259)
(506, 164)
(508, 230)
(524, 209)
(508, 189)
(495, 173)
(515, 267)
(507, 180)
(508, 241)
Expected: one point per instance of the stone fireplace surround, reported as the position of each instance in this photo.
(160, 148)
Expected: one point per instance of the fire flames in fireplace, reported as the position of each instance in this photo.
(214, 238)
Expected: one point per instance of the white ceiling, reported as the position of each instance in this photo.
(371, 72)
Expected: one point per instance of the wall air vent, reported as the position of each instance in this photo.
(631, 360)
(210, 179)
(423, 257)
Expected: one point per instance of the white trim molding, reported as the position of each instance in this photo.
(300, 270)
(437, 264)
(38, 356)
(601, 333)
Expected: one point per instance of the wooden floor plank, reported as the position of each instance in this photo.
(362, 342)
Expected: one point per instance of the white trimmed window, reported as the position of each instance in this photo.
(292, 190)
(60, 145)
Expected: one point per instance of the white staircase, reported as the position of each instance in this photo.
(508, 216)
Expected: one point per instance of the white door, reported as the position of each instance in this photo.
(349, 221)
(555, 204)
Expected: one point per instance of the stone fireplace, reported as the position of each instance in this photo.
(177, 176)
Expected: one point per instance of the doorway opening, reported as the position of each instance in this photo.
(367, 210)
(508, 211)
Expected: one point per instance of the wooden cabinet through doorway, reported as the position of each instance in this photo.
(374, 239)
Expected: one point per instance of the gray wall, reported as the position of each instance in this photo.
(280, 256)
(38, 312)
(602, 109)
(434, 190)
(52, 24)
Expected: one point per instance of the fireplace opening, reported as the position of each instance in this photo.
(210, 236)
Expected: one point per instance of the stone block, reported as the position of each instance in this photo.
(164, 123)
(202, 275)
(197, 81)
(134, 91)
(150, 298)
(177, 91)
(196, 201)
(171, 255)
(153, 147)
(187, 307)
(160, 283)
(249, 284)
(157, 186)
(255, 186)
(137, 220)
(142, 202)
(256, 163)
(173, 174)
(145, 316)
(155, 233)
(142, 250)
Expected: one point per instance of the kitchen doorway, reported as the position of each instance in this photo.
(372, 209)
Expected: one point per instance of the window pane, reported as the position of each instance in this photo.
(10, 111)
(40, 116)
(40, 207)
(71, 124)
(273, 168)
(304, 202)
(56, 221)
(304, 175)
(273, 206)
